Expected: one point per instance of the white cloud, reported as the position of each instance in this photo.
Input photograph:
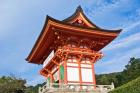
(119, 14)
(118, 62)
(125, 42)
(130, 26)
(103, 6)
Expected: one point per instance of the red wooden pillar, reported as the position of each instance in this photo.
(65, 72)
(80, 72)
(51, 77)
(59, 75)
(93, 75)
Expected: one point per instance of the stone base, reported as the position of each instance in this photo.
(75, 88)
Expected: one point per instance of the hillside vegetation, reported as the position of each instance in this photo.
(131, 87)
(131, 72)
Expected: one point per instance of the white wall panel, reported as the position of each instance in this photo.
(72, 74)
(87, 75)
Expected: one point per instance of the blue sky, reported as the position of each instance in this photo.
(21, 22)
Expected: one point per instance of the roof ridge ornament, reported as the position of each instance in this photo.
(79, 8)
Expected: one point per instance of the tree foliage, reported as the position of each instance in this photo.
(130, 72)
(11, 85)
(33, 89)
(130, 87)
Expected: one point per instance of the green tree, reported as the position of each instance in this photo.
(11, 85)
(33, 89)
(131, 71)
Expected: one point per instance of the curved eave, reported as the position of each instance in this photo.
(37, 41)
(56, 23)
(88, 28)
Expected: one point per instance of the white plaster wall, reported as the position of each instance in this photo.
(72, 74)
(86, 75)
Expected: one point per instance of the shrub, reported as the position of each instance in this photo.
(131, 87)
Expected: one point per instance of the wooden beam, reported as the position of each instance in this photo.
(55, 62)
(47, 71)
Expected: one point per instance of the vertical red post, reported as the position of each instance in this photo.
(65, 72)
(59, 75)
(51, 77)
(93, 75)
(80, 73)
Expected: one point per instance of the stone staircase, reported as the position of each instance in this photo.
(75, 88)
